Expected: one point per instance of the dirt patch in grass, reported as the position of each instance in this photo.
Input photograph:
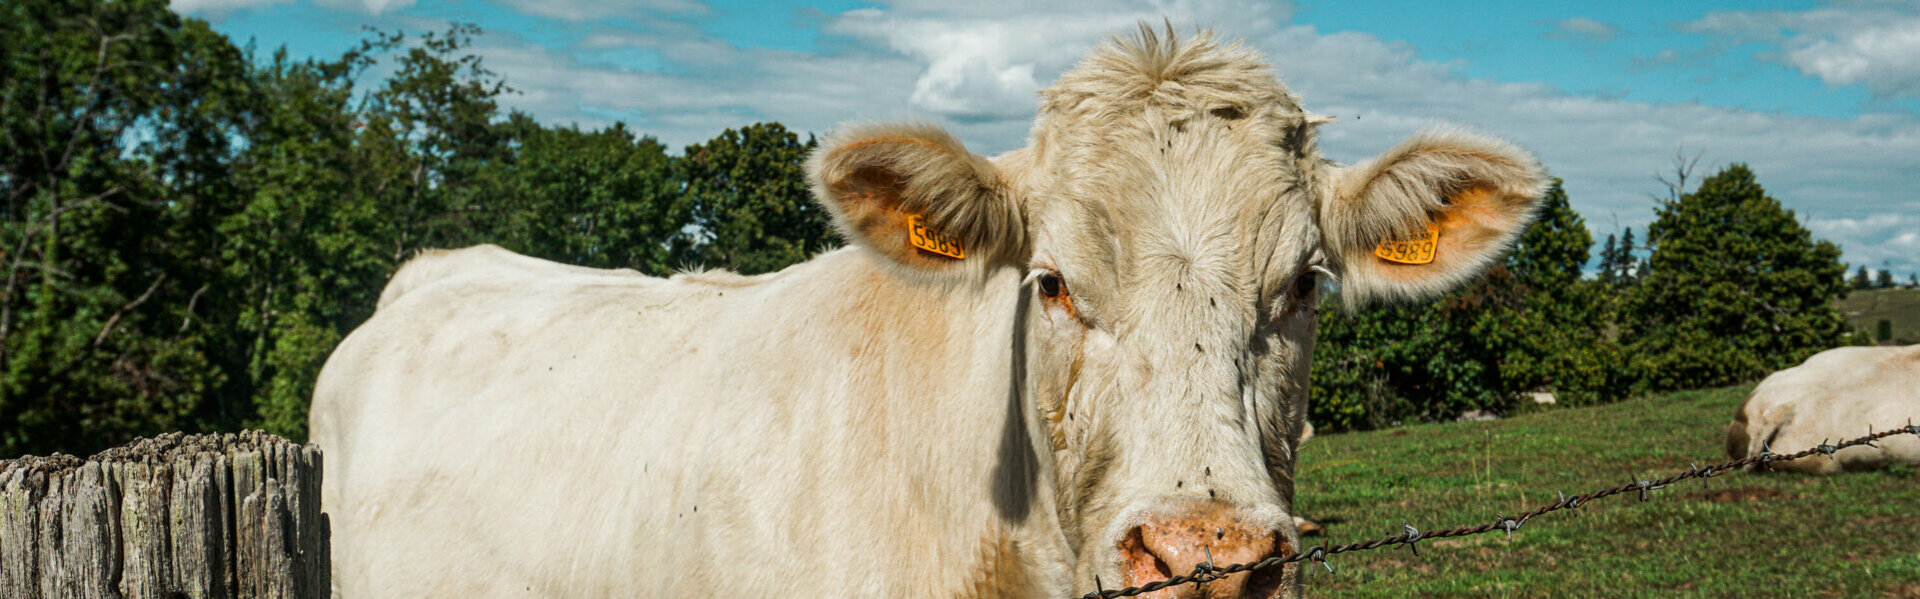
(1906, 591)
(1473, 541)
(1744, 494)
(1879, 521)
(1401, 565)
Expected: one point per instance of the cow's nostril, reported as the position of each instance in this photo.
(1143, 565)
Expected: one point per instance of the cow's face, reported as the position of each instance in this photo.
(1174, 223)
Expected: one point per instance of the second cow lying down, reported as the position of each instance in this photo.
(1834, 395)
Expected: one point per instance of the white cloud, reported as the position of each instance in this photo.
(585, 10)
(983, 67)
(806, 92)
(216, 7)
(1875, 44)
(1887, 241)
(1582, 28)
(372, 7)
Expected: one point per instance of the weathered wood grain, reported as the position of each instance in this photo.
(232, 516)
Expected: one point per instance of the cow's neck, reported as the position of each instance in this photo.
(943, 362)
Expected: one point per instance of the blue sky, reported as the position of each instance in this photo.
(1822, 99)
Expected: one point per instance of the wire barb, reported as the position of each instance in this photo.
(1319, 554)
(1645, 486)
(1510, 525)
(1204, 571)
(1826, 448)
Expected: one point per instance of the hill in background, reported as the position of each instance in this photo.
(1865, 309)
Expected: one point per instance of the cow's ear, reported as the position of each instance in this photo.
(1427, 215)
(913, 194)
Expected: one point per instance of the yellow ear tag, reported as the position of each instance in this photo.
(1410, 251)
(926, 238)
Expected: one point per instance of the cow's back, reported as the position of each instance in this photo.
(1832, 396)
(623, 435)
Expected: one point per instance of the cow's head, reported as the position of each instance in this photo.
(1175, 221)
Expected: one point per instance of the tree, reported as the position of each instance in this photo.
(1628, 265)
(1883, 331)
(604, 198)
(188, 229)
(118, 119)
(1861, 280)
(343, 186)
(1557, 335)
(1884, 280)
(306, 254)
(748, 204)
(434, 122)
(1617, 263)
(1608, 270)
(1735, 288)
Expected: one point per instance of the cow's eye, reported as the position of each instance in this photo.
(1051, 286)
(1303, 285)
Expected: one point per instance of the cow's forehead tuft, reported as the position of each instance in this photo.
(1165, 71)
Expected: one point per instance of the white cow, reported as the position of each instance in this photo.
(1083, 362)
(1833, 396)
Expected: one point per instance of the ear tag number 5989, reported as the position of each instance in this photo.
(926, 238)
(1410, 251)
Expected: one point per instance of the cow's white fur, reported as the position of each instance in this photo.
(1834, 395)
(879, 421)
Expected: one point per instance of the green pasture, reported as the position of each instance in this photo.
(1738, 535)
(1865, 309)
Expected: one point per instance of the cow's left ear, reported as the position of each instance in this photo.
(913, 194)
(1427, 215)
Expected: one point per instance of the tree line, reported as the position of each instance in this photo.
(190, 226)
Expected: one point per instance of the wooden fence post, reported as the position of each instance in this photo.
(199, 516)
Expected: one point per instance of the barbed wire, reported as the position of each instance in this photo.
(1206, 572)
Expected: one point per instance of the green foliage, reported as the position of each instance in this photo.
(748, 203)
(1735, 289)
(1617, 263)
(1556, 334)
(1884, 280)
(116, 115)
(189, 230)
(1862, 281)
(306, 252)
(594, 198)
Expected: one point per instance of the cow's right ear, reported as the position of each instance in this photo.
(1427, 215)
(913, 194)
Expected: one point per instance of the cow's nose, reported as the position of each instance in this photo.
(1172, 545)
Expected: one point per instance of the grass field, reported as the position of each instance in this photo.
(1864, 309)
(1738, 535)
